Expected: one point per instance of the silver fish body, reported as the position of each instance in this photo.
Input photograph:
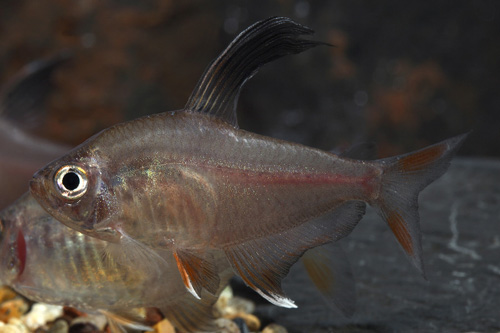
(192, 183)
(210, 185)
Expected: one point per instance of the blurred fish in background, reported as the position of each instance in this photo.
(22, 111)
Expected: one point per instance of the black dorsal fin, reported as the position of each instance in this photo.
(217, 91)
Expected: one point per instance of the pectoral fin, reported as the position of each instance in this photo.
(197, 273)
(131, 253)
(263, 262)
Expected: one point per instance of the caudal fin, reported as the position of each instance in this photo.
(403, 178)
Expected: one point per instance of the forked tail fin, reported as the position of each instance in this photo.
(403, 178)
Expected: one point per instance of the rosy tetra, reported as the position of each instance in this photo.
(191, 183)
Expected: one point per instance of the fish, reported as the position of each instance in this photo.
(48, 262)
(21, 111)
(192, 183)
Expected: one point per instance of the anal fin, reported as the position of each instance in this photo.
(263, 262)
(197, 273)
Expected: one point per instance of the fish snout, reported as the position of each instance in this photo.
(37, 184)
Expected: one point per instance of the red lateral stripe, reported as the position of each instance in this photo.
(290, 178)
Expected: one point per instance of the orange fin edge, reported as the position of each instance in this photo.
(196, 273)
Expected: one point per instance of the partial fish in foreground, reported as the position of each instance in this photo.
(48, 262)
(21, 108)
(194, 184)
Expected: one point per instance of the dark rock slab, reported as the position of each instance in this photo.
(460, 219)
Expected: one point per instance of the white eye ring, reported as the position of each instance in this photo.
(71, 181)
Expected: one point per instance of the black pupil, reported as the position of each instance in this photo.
(71, 181)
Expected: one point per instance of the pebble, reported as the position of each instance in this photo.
(72, 313)
(228, 303)
(41, 314)
(251, 320)
(13, 308)
(226, 326)
(153, 316)
(59, 326)
(6, 294)
(229, 306)
(83, 328)
(98, 321)
(163, 326)
(222, 302)
(239, 305)
(241, 325)
(15, 325)
(274, 328)
(69, 320)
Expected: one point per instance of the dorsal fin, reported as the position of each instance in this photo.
(217, 91)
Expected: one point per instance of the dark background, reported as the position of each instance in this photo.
(402, 75)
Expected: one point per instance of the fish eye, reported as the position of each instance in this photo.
(71, 181)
